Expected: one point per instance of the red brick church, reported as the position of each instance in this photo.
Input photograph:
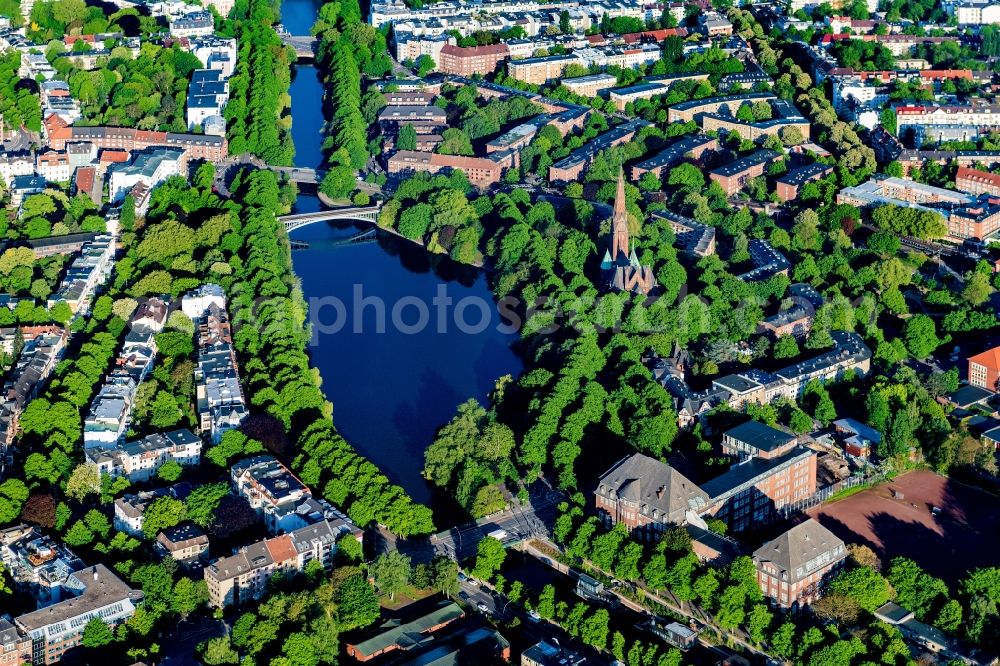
(620, 264)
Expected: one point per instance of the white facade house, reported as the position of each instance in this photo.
(139, 460)
(15, 164)
(53, 166)
(215, 53)
(130, 509)
(208, 94)
(195, 304)
(269, 487)
(976, 12)
(151, 167)
(110, 413)
(194, 24)
(220, 402)
(88, 271)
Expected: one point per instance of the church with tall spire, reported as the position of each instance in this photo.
(620, 264)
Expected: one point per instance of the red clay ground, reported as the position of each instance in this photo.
(965, 535)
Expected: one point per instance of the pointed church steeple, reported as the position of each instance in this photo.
(621, 266)
(619, 222)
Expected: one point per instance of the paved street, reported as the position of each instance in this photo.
(520, 522)
(502, 611)
(18, 140)
(179, 650)
(664, 598)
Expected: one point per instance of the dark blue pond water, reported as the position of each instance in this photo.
(392, 389)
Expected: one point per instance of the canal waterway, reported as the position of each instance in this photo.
(391, 386)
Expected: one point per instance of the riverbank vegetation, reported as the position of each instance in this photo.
(257, 115)
(240, 244)
(349, 48)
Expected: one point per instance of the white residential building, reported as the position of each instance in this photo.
(150, 167)
(139, 460)
(976, 12)
(270, 488)
(53, 166)
(194, 24)
(110, 412)
(221, 404)
(88, 271)
(215, 53)
(56, 98)
(15, 164)
(38, 565)
(195, 304)
(34, 65)
(208, 94)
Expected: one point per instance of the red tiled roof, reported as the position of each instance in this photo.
(989, 358)
(975, 175)
(85, 179)
(936, 74)
(654, 35)
(282, 548)
(114, 156)
(474, 51)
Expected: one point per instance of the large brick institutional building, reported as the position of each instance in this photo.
(194, 146)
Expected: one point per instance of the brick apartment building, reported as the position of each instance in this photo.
(694, 109)
(194, 146)
(15, 647)
(793, 568)
(734, 176)
(753, 439)
(591, 85)
(966, 215)
(750, 493)
(539, 71)
(470, 60)
(418, 98)
(423, 119)
(571, 167)
(984, 369)
(787, 187)
(692, 147)
(481, 172)
(975, 181)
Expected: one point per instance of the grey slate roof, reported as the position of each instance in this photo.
(653, 485)
(802, 550)
(750, 473)
(102, 588)
(760, 435)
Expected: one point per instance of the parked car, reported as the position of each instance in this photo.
(483, 608)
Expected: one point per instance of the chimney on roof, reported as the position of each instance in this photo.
(660, 491)
(95, 574)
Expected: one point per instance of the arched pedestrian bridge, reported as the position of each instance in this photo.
(356, 213)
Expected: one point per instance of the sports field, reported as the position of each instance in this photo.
(898, 518)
